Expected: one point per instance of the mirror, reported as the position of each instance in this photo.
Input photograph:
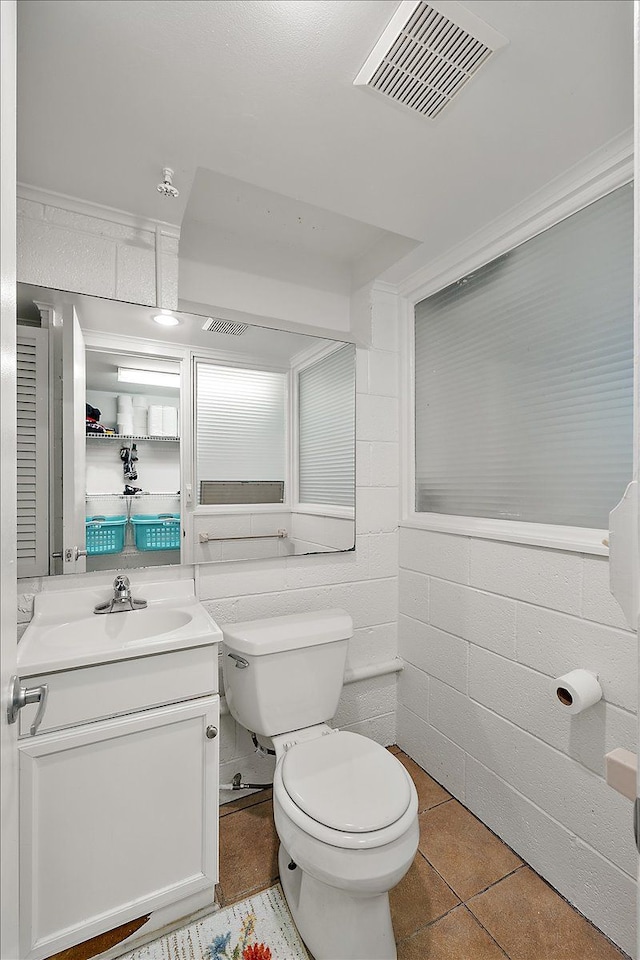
(179, 439)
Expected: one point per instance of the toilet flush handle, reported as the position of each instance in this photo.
(241, 663)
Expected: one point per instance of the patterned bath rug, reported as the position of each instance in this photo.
(259, 928)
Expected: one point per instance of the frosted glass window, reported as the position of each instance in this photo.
(240, 424)
(326, 429)
(524, 377)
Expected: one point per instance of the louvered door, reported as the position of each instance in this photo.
(32, 452)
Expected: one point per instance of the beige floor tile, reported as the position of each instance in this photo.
(430, 793)
(248, 852)
(421, 897)
(463, 850)
(243, 802)
(531, 921)
(104, 941)
(455, 937)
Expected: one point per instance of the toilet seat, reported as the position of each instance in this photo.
(346, 790)
(346, 782)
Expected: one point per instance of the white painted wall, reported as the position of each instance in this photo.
(263, 296)
(72, 245)
(484, 626)
(316, 532)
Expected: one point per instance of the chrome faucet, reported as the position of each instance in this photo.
(122, 600)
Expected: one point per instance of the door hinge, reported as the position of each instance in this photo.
(636, 822)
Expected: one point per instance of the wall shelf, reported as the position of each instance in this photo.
(131, 496)
(121, 436)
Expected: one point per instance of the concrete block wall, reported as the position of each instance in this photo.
(364, 582)
(230, 525)
(311, 532)
(484, 627)
(89, 249)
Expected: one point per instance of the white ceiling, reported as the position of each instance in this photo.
(261, 91)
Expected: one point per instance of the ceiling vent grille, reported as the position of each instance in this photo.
(427, 54)
(230, 327)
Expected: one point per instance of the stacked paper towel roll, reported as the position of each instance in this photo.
(140, 416)
(155, 420)
(169, 421)
(163, 421)
(125, 415)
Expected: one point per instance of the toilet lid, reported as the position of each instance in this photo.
(346, 782)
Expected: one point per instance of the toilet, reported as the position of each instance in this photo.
(345, 809)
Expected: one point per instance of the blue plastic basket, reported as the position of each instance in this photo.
(156, 531)
(105, 534)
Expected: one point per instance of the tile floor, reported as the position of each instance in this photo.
(467, 895)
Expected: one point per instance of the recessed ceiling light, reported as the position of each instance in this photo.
(166, 319)
(154, 377)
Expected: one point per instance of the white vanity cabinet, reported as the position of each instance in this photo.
(118, 796)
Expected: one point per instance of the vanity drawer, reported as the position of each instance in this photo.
(124, 686)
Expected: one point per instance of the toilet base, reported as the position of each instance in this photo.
(336, 924)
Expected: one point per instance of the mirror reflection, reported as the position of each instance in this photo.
(150, 437)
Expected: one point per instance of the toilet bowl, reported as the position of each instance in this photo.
(346, 815)
(345, 809)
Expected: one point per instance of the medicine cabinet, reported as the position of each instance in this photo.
(141, 444)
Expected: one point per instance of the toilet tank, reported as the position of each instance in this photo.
(285, 673)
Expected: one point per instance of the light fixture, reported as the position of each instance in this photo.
(155, 377)
(166, 319)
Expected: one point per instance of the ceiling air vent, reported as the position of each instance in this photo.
(230, 327)
(427, 53)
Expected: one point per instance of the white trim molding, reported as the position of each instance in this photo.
(572, 539)
(586, 182)
(88, 208)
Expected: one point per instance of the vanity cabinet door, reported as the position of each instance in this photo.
(117, 819)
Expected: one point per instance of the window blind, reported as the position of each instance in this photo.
(326, 434)
(32, 489)
(240, 424)
(524, 377)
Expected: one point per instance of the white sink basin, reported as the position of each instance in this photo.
(132, 626)
(65, 633)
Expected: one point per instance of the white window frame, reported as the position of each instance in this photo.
(228, 509)
(299, 363)
(526, 222)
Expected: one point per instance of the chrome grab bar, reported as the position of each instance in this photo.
(210, 538)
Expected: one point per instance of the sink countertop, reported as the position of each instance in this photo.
(65, 633)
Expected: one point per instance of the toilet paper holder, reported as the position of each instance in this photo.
(577, 690)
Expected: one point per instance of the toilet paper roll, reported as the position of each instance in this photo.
(576, 691)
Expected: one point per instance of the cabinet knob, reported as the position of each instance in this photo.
(211, 733)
